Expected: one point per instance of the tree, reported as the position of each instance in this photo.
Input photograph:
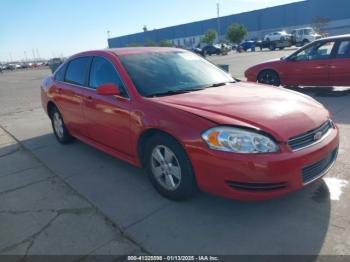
(150, 43)
(319, 23)
(165, 43)
(133, 45)
(144, 28)
(236, 33)
(209, 37)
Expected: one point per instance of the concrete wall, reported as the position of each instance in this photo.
(258, 23)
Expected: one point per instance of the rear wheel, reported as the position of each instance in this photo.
(59, 127)
(269, 77)
(169, 168)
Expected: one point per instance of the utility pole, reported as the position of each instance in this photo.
(37, 54)
(33, 53)
(218, 20)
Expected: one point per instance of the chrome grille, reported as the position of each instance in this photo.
(311, 137)
(316, 170)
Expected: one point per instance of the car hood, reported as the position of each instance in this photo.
(277, 111)
(269, 63)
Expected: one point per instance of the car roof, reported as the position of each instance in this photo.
(297, 29)
(142, 50)
(129, 51)
(335, 37)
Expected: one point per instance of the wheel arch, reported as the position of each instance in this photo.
(143, 138)
(50, 106)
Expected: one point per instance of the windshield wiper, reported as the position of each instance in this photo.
(219, 84)
(175, 92)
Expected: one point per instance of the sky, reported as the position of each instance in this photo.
(48, 28)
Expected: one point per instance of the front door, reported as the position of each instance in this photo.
(108, 116)
(340, 65)
(310, 66)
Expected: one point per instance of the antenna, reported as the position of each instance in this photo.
(218, 19)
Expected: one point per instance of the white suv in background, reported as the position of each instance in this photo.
(277, 36)
(303, 36)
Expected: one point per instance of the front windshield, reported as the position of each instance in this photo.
(309, 32)
(165, 73)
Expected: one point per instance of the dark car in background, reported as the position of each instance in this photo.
(247, 45)
(54, 63)
(208, 50)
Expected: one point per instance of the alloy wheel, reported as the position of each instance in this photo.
(165, 167)
(58, 125)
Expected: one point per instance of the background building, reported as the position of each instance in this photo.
(258, 23)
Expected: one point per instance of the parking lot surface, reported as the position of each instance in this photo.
(313, 221)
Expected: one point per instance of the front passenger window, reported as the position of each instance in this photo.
(103, 72)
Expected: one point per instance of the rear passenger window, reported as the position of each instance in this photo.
(344, 49)
(77, 71)
(59, 76)
(103, 72)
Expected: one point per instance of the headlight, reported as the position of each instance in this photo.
(230, 139)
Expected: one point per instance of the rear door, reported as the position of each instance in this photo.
(70, 93)
(310, 66)
(108, 116)
(340, 65)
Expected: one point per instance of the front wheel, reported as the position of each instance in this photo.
(269, 77)
(169, 169)
(272, 46)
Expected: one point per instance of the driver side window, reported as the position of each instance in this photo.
(315, 52)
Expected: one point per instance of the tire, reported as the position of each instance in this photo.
(169, 168)
(269, 77)
(272, 47)
(61, 133)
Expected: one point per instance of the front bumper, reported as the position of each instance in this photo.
(262, 176)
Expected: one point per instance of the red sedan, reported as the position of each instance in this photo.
(189, 124)
(325, 62)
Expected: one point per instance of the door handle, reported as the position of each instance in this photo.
(88, 98)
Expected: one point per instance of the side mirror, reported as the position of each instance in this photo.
(108, 90)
